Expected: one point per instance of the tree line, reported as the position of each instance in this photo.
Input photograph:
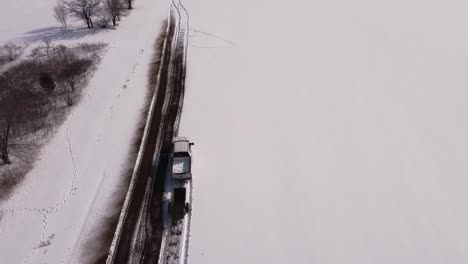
(88, 10)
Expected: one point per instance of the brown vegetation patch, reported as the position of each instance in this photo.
(36, 94)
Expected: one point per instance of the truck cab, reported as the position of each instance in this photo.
(181, 158)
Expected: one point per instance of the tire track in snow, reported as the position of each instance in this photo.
(175, 242)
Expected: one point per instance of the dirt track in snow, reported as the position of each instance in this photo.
(140, 240)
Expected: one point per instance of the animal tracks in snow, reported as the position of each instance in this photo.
(43, 213)
(5, 220)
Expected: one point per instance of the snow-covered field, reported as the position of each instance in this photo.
(328, 131)
(55, 214)
(24, 16)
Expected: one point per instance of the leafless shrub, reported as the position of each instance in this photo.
(91, 49)
(61, 12)
(83, 10)
(104, 21)
(114, 9)
(47, 82)
(73, 71)
(10, 52)
(47, 44)
(129, 3)
(43, 52)
(38, 53)
(10, 179)
(69, 98)
(66, 68)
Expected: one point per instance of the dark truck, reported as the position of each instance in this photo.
(181, 157)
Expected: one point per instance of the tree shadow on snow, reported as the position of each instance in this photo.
(59, 33)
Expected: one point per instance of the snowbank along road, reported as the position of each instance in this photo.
(140, 232)
(176, 234)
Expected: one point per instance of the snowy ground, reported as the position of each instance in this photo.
(23, 16)
(328, 131)
(54, 215)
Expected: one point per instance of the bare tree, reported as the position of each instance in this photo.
(47, 82)
(47, 44)
(7, 115)
(129, 4)
(104, 20)
(15, 106)
(73, 72)
(5, 126)
(84, 10)
(61, 12)
(114, 9)
(70, 70)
